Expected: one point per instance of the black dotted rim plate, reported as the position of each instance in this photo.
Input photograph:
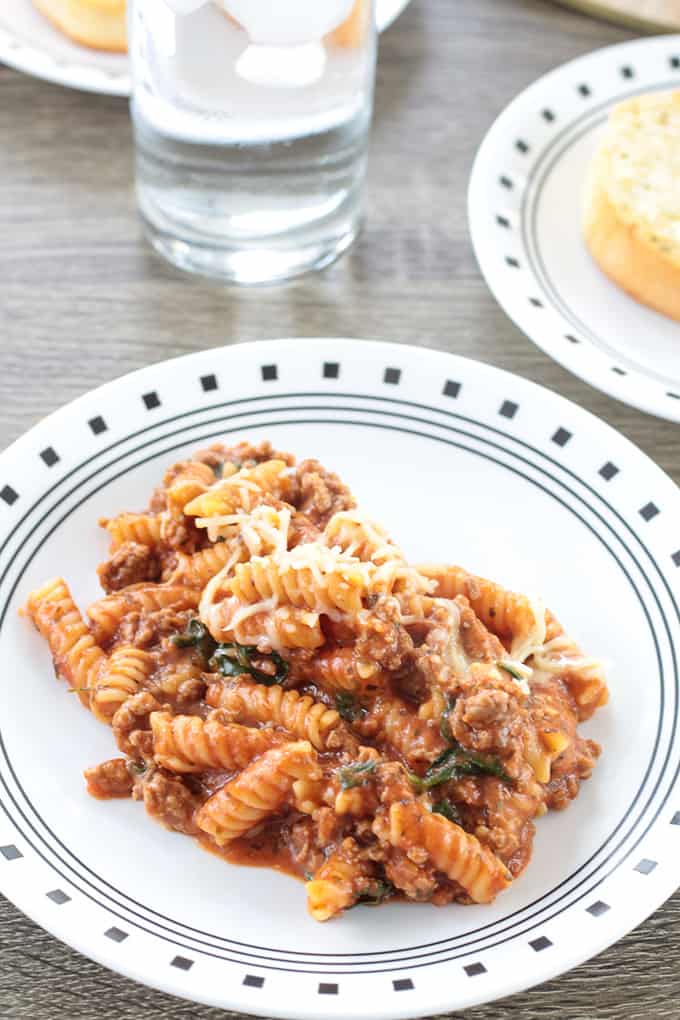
(352, 396)
(529, 142)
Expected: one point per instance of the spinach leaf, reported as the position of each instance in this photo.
(348, 707)
(448, 810)
(197, 636)
(456, 762)
(376, 893)
(232, 659)
(355, 774)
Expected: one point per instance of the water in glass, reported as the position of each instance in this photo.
(251, 140)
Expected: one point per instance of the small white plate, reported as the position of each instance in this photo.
(525, 219)
(462, 462)
(31, 44)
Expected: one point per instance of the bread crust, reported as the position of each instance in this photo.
(98, 24)
(624, 254)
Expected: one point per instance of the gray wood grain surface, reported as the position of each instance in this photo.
(82, 300)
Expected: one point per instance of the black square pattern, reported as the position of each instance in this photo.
(402, 985)
(675, 820)
(598, 908)
(536, 302)
(151, 400)
(326, 988)
(521, 146)
(331, 370)
(618, 371)
(253, 981)
(676, 558)
(451, 388)
(675, 63)
(11, 852)
(648, 511)
(98, 425)
(58, 896)
(116, 935)
(474, 969)
(208, 383)
(511, 261)
(8, 495)
(673, 396)
(49, 456)
(584, 90)
(571, 338)
(645, 866)
(506, 183)
(392, 376)
(269, 373)
(627, 71)
(508, 409)
(561, 437)
(608, 470)
(503, 221)
(541, 943)
(548, 115)
(181, 963)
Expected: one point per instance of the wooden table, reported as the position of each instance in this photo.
(83, 300)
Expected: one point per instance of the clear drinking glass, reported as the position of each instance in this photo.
(251, 121)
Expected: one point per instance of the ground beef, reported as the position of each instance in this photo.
(416, 880)
(380, 636)
(321, 493)
(242, 454)
(301, 530)
(131, 725)
(478, 643)
(168, 800)
(569, 770)
(180, 532)
(131, 563)
(304, 851)
(489, 716)
(110, 779)
(145, 629)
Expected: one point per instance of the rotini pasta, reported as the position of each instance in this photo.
(187, 743)
(303, 717)
(518, 621)
(261, 790)
(284, 686)
(145, 529)
(106, 614)
(76, 655)
(460, 856)
(123, 675)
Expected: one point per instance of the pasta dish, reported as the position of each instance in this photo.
(286, 688)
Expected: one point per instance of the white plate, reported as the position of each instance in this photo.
(29, 43)
(461, 462)
(525, 212)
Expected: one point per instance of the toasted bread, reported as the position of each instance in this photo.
(99, 24)
(631, 217)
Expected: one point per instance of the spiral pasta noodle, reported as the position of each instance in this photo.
(460, 856)
(261, 790)
(145, 529)
(304, 718)
(77, 657)
(106, 614)
(187, 743)
(124, 673)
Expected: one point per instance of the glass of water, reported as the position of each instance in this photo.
(251, 121)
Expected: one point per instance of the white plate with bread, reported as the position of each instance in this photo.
(81, 43)
(574, 208)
